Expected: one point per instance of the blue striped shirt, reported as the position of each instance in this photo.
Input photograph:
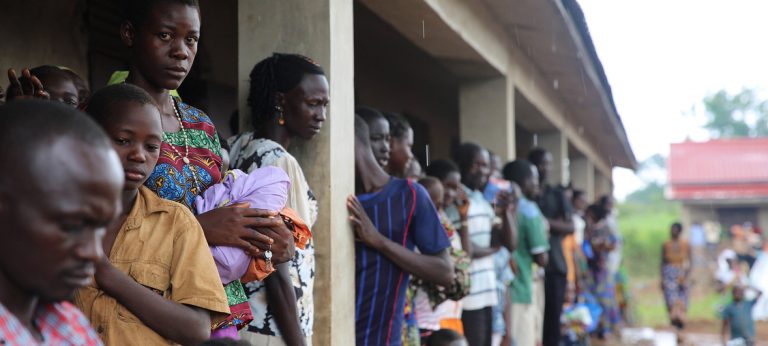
(379, 283)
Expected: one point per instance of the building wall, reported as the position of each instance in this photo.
(32, 36)
(703, 213)
(409, 82)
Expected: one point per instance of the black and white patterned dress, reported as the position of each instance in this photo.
(250, 153)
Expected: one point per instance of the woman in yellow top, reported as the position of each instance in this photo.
(675, 268)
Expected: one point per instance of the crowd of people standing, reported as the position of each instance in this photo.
(153, 229)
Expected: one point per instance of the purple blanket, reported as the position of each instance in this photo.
(264, 188)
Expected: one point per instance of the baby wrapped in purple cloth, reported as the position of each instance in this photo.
(265, 188)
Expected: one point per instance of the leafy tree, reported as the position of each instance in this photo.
(652, 193)
(738, 115)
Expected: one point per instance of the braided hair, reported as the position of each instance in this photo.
(278, 73)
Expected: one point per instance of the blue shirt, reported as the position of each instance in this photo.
(380, 284)
(739, 316)
(504, 278)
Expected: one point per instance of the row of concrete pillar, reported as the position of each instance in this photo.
(323, 30)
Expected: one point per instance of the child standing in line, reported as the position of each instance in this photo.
(158, 283)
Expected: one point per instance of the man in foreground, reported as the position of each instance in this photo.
(60, 189)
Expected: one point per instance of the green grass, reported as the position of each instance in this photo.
(645, 227)
(649, 308)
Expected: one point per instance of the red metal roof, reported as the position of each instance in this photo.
(719, 169)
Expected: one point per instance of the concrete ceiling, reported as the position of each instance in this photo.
(419, 23)
(545, 32)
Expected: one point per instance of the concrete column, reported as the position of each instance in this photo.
(603, 184)
(557, 144)
(322, 30)
(583, 176)
(487, 115)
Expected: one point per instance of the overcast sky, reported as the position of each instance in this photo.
(663, 56)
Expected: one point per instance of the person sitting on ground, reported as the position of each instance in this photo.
(400, 144)
(484, 224)
(158, 283)
(737, 317)
(404, 220)
(59, 191)
(45, 82)
(531, 232)
(379, 129)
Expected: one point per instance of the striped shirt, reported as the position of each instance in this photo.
(404, 213)
(482, 271)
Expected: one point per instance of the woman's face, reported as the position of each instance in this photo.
(163, 48)
(451, 186)
(379, 133)
(304, 107)
(400, 153)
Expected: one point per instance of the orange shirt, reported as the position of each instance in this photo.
(161, 246)
(569, 246)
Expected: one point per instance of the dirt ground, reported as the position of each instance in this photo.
(696, 333)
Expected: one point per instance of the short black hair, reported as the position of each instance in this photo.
(598, 211)
(42, 72)
(428, 182)
(465, 155)
(277, 73)
(225, 342)
(577, 194)
(536, 155)
(369, 114)
(677, 225)
(102, 101)
(518, 171)
(443, 337)
(440, 169)
(136, 11)
(362, 133)
(604, 200)
(26, 126)
(83, 92)
(398, 125)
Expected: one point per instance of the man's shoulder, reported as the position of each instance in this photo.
(528, 209)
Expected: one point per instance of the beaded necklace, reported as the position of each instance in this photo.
(184, 157)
